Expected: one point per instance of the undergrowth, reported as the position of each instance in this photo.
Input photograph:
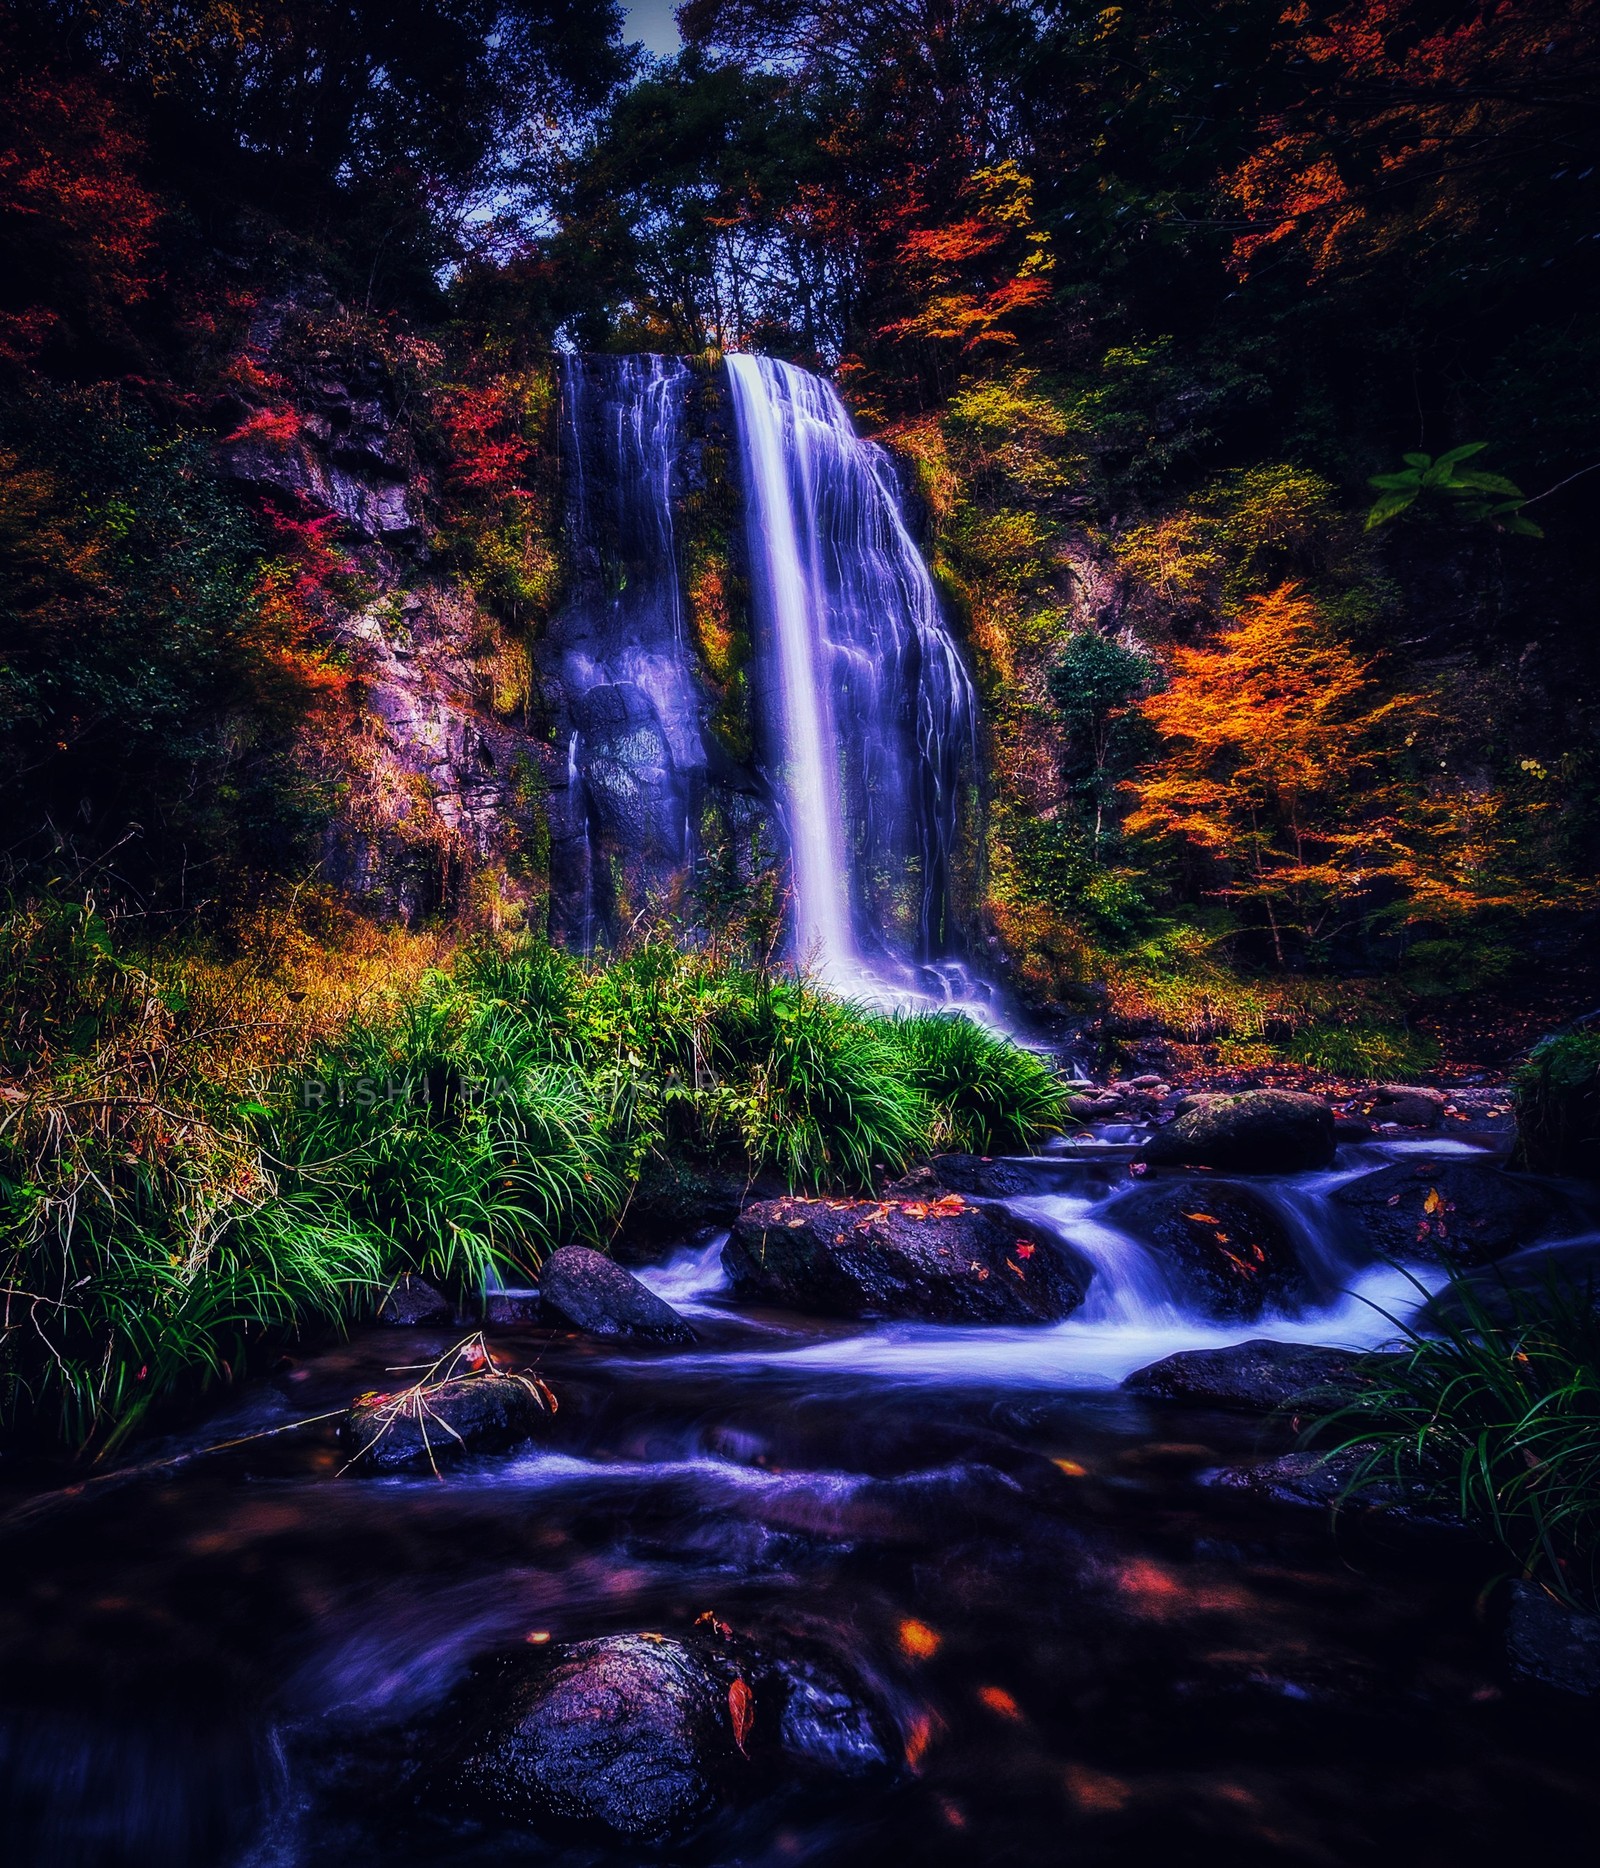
(1496, 1417)
(199, 1155)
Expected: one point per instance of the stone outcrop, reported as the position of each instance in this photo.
(1260, 1377)
(584, 1290)
(1256, 1132)
(421, 1430)
(943, 1261)
(1224, 1245)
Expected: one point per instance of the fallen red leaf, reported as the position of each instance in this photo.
(742, 1711)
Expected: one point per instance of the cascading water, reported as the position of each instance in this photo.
(874, 709)
(637, 755)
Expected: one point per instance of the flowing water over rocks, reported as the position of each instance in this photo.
(939, 1593)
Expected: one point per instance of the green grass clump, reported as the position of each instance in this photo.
(989, 1095)
(1497, 1418)
(198, 1156)
(1558, 1106)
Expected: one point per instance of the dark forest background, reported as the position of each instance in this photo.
(1243, 360)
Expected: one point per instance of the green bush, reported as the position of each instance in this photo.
(1557, 1094)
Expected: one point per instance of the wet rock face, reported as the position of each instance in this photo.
(1322, 1481)
(585, 1291)
(627, 1739)
(944, 1261)
(1552, 1644)
(1258, 1377)
(1226, 1244)
(1452, 1211)
(1257, 1132)
(978, 1174)
(475, 1413)
(637, 1738)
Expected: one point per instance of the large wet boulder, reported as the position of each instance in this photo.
(627, 1739)
(1224, 1245)
(584, 1290)
(1452, 1210)
(421, 1429)
(944, 1261)
(637, 1738)
(1259, 1377)
(1255, 1132)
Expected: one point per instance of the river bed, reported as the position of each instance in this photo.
(1076, 1647)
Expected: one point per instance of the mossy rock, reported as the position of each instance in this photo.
(1558, 1107)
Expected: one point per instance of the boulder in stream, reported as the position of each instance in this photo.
(584, 1290)
(420, 1429)
(1259, 1377)
(1453, 1210)
(1256, 1132)
(626, 1739)
(1224, 1244)
(943, 1261)
(636, 1738)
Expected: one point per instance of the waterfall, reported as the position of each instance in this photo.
(620, 649)
(874, 708)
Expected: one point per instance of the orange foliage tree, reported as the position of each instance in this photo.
(1283, 762)
(1414, 121)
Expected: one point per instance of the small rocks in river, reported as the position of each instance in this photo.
(636, 1738)
(1224, 1243)
(1453, 1210)
(586, 1291)
(413, 1302)
(1257, 1132)
(419, 1429)
(1258, 1377)
(945, 1261)
(1548, 1642)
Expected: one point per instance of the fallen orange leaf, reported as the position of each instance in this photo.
(919, 1640)
(742, 1711)
(998, 1700)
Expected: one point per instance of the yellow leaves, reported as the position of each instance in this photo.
(1204, 1219)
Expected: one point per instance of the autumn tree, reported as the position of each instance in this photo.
(1269, 737)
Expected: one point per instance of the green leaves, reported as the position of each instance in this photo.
(1444, 485)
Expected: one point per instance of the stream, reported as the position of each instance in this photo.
(1078, 1649)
